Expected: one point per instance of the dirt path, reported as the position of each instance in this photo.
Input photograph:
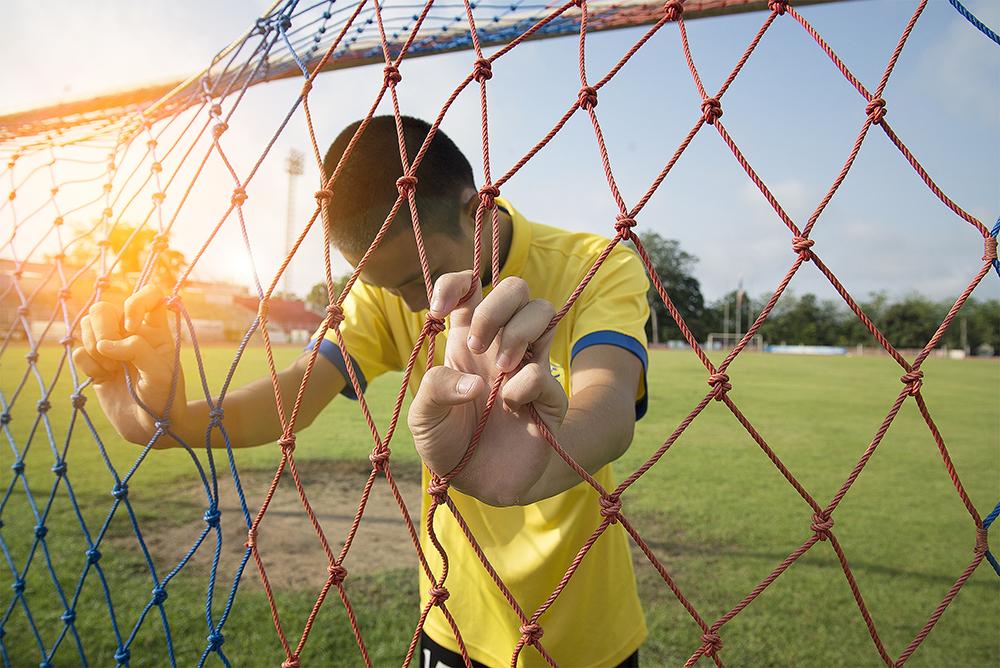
(288, 544)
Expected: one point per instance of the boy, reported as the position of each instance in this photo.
(529, 511)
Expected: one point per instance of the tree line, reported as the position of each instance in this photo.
(907, 322)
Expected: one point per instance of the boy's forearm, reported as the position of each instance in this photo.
(597, 430)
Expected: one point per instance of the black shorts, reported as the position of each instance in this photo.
(432, 655)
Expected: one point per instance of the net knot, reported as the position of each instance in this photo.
(162, 425)
(54, 191)
(212, 516)
(720, 383)
(215, 640)
(11, 195)
(821, 525)
(215, 416)
(215, 110)
(104, 243)
(102, 283)
(876, 110)
(287, 443)
(611, 507)
(285, 24)
(711, 642)
(434, 325)
(914, 379)
(406, 184)
(438, 490)
(802, 246)
(378, 458)
(120, 490)
(65, 294)
(488, 196)
(439, 595)
(673, 10)
(4, 418)
(290, 662)
(624, 224)
(323, 195)
(158, 197)
(337, 573)
(79, 400)
(335, 313)
(778, 6)
(251, 538)
(239, 196)
(22, 310)
(122, 655)
(982, 540)
(173, 303)
(392, 75)
(156, 168)
(18, 466)
(67, 340)
(107, 188)
(483, 71)
(68, 617)
(531, 633)
(59, 468)
(160, 241)
(93, 555)
(588, 98)
(41, 530)
(58, 221)
(43, 406)
(580, 3)
(159, 595)
(711, 110)
(18, 586)
(219, 128)
(990, 248)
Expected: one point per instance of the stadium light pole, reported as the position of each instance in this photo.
(294, 167)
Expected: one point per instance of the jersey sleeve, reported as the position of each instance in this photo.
(366, 334)
(612, 310)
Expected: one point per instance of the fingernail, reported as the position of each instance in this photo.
(503, 361)
(475, 345)
(465, 384)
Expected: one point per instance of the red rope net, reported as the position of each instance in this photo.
(709, 118)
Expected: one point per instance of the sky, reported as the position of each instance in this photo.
(790, 111)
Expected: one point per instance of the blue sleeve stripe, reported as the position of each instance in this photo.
(610, 338)
(331, 351)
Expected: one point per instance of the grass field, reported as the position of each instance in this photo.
(715, 510)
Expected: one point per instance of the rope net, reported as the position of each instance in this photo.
(154, 158)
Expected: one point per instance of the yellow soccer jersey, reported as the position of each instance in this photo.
(597, 619)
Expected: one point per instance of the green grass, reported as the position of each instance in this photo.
(714, 509)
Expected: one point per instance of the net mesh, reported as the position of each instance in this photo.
(167, 147)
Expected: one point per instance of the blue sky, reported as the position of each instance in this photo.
(793, 115)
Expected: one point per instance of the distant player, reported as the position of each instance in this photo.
(529, 511)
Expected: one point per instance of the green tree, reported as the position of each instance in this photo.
(319, 296)
(673, 265)
(132, 247)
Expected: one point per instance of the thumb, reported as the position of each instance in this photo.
(136, 350)
(441, 388)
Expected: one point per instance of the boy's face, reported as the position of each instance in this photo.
(395, 264)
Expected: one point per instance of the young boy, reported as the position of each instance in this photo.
(529, 511)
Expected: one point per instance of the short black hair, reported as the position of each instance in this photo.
(365, 189)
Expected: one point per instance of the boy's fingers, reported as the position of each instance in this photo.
(90, 345)
(106, 319)
(138, 305)
(523, 330)
(448, 292)
(534, 384)
(495, 311)
(136, 350)
(440, 389)
(87, 365)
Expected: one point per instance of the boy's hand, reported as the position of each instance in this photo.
(487, 337)
(143, 341)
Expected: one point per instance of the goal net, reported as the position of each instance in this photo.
(100, 191)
